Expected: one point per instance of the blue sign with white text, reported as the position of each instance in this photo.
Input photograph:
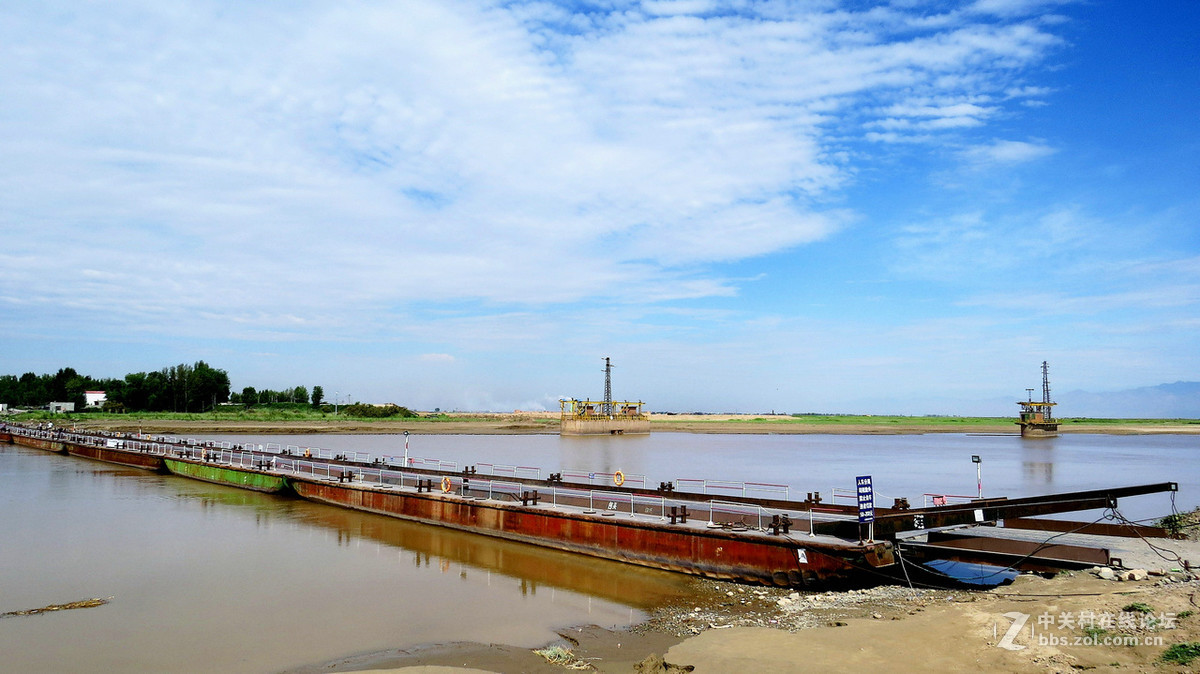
(866, 499)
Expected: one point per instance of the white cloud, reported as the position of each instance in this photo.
(1007, 152)
(1008, 8)
(284, 171)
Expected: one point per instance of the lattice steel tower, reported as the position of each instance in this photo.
(607, 408)
(1046, 387)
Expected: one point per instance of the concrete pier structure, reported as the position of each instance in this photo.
(590, 417)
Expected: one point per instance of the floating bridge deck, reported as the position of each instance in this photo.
(745, 531)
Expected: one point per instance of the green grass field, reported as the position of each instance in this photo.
(284, 414)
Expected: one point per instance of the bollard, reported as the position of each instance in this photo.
(786, 523)
(667, 487)
(682, 515)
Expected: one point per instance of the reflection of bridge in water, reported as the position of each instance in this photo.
(437, 547)
(1038, 472)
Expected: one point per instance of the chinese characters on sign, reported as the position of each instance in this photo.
(866, 499)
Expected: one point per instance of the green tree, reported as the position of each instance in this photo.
(10, 389)
(207, 387)
(318, 396)
(249, 396)
(35, 391)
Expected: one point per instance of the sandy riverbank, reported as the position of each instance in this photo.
(532, 423)
(884, 629)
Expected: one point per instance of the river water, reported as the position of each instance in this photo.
(209, 578)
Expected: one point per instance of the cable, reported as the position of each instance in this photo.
(1037, 549)
(1116, 515)
(905, 569)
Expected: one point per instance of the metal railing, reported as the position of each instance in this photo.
(745, 489)
(594, 476)
(939, 500)
(515, 471)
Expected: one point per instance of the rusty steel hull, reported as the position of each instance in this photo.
(1033, 429)
(123, 457)
(713, 553)
(56, 446)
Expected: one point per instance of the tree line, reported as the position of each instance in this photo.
(198, 387)
(298, 395)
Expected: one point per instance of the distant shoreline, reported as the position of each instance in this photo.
(540, 423)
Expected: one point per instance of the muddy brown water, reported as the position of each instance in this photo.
(206, 578)
(209, 578)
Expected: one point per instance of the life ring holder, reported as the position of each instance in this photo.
(618, 478)
(446, 484)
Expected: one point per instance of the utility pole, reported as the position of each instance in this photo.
(978, 474)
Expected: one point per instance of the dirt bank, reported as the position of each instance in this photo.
(735, 628)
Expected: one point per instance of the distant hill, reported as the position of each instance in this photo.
(1180, 400)
(1165, 401)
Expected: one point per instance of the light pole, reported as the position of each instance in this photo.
(335, 401)
(978, 474)
(405, 449)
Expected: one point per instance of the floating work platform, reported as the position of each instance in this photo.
(1037, 416)
(592, 417)
(751, 532)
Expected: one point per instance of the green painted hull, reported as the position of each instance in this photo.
(234, 477)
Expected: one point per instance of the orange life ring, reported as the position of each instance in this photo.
(619, 478)
(445, 484)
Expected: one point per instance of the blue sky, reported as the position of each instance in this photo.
(750, 206)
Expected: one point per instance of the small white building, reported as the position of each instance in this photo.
(93, 398)
(60, 408)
